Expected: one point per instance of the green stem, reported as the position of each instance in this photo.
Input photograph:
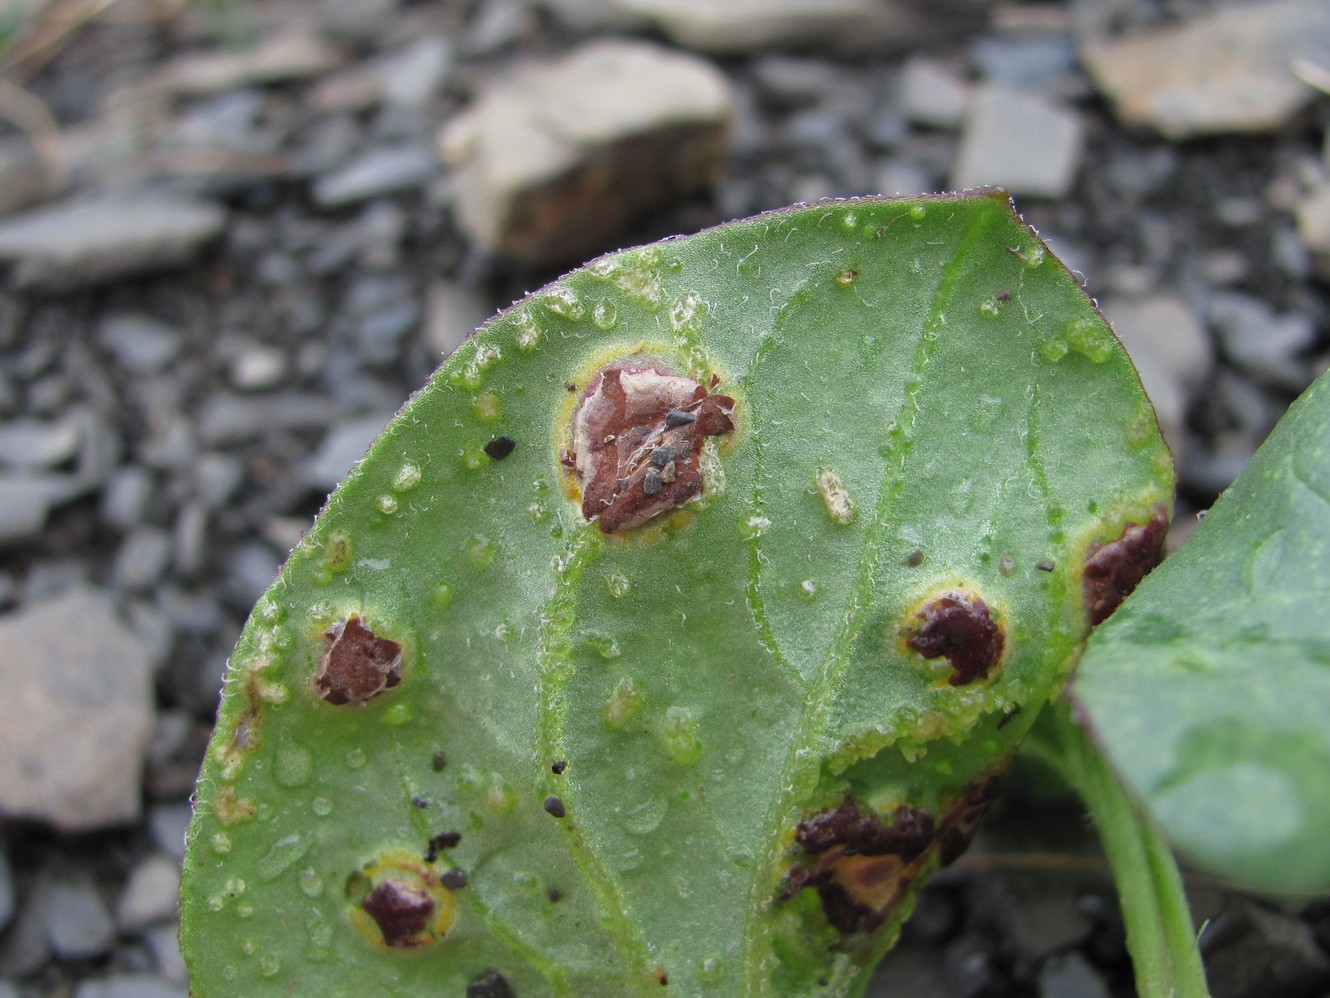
(1160, 936)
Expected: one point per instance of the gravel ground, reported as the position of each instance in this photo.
(235, 236)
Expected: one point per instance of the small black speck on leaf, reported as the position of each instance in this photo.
(1045, 566)
(491, 984)
(554, 806)
(418, 801)
(438, 762)
(915, 558)
(454, 880)
(555, 895)
(678, 417)
(558, 767)
(500, 447)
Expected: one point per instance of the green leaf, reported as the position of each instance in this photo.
(1209, 688)
(637, 746)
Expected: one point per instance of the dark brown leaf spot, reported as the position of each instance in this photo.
(499, 448)
(438, 761)
(440, 842)
(866, 834)
(490, 984)
(554, 806)
(957, 625)
(558, 766)
(401, 911)
(662, 978)
(554, 894)
(454, 880)
(357, 665)
(914, 559)
(962, 821)
(1114, 569)
(629, 411)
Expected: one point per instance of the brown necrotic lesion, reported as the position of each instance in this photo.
(636, 441)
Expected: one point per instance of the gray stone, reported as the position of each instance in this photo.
(932, 94)
(75, 677)
(34, 443)
(1314, 228)
(899, 176)
(342, 447)
(1070, 976)
(497, 25)
(1261, 342)
(1172, 352)
(164, 942)
(125, 498)
(1267, 953)
(216, 478)
(6, 890)
(229, 419)
(796, 81)
(169, 824)
(257, 367)
(190, 538)
(414, 76)
(555, 160)
(24, 946)
(914, 972)
(1225, 71)
(8, 990)
(78, 924)
(25, 502)
(452, 313)
(1043, 62)
(138, 343)
(377, 172)
(1019, 141)
(250, 570)
(130, 986)
(80, 243)
(149, 895)
(142, 559)
(741, 26)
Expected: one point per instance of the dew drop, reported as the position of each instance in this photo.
(1007, 564)
(1090, 339)
(1034, 255)
(618, 585)
(646, 817)
(311, 884)
(293, 766)
(835, 497)
(283, 854)
(1053, 350)
(321, 806)
(408, 477)
(849, 220)
(847, 277)
(487, 407)
(221, 843)
(604, 646)
(537, 512)
(387, 505)
(990, 308)
(754, 526)
(605, 315)
(245, 910)
(442, 595)
(685, 316)
(623, 704)
(564, 303)
(270, 966)
(1141, 430)
(356, 758)
(528, 333)
(479, 552)
(918, 211)
(499, 796)
(680, 736)
(397, 715)
(808, 589)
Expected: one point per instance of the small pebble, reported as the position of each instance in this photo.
(150, 894)
(78, 923)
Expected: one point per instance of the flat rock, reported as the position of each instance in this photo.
(932, 94)
(745, 26)
(1261, 342)
(1227, 71)
(1020, 141)
(343, 446)
(81, 243)
(6, 891)
(557, 159)
(137, 342)
(150, 894)
(377, 172)
(129, 986)
(75, 677)
(78, 924)
(287, 56)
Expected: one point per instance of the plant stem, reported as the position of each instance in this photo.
(1160, 936)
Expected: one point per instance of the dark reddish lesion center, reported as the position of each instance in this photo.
(957, 626)
(1114, 569)
(636, 440)
(357, 664)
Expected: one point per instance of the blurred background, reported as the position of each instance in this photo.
(236, 234)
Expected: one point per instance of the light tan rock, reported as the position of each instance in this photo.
(1020, 141)
(552, 163)
(745, 26)
(1229, 71)
(76, 713)
(1314, 228)
(289, 55)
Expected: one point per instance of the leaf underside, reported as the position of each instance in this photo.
(932, 427)
(1209, 688)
